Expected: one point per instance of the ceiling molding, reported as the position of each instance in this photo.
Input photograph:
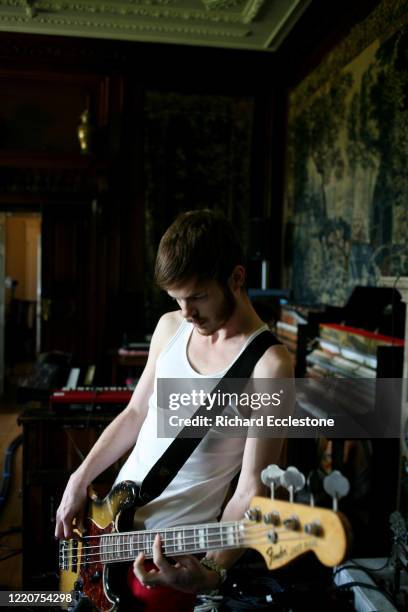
(241, 24)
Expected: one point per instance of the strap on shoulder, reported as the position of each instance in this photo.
(173, 459)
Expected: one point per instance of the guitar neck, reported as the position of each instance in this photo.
(280, 531)
(126, 546)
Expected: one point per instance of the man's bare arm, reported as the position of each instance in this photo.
(116, 439)
(258, 453)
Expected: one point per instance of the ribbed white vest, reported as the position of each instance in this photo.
(197, 492)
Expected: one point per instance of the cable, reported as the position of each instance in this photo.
(365, 585)
(372, 569)
(13, 554)
(71, 439)
(7, 468)
(394, 287)
(10, 531)
(8, 549)
(364, 568)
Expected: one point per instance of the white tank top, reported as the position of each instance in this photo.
(197, 492)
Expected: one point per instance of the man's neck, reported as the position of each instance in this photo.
(243, 321)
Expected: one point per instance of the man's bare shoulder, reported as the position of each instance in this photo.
(170, 322)
(166, 327)
(275, 363)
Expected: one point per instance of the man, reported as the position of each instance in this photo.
(201, 266)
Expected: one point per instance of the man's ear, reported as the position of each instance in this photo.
(237, 278)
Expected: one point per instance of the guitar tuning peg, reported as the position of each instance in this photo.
(314, 485)
(293, 481)
(271, 477)
(337, 486)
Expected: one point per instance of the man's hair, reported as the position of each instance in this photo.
(201, 245)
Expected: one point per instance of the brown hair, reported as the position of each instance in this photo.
(200, 244)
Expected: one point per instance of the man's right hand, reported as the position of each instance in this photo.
(72, 507)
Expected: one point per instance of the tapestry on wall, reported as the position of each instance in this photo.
(348, 170)
(197, 155)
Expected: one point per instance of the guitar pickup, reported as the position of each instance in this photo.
(68, 555)
(63, 554)
(74, 555)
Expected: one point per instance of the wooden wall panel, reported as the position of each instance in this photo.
(41, 168)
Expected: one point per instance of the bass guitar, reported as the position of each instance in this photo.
(280, 531)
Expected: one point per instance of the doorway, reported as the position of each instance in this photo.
(22, 293)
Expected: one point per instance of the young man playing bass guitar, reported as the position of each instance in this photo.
(200, 265)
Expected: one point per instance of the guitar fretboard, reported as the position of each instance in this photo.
(175, 541)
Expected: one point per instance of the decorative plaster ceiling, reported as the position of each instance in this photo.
(236, 24)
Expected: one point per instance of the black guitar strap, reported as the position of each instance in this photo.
(173, 459)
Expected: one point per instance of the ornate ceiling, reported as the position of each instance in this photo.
(236, 24)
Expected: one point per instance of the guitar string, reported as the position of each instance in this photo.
(141, 547)
(244, 540)
(168, 529)
(174, 533)
(131, 556)
(168, 540)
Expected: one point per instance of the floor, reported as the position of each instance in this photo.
(11, 511)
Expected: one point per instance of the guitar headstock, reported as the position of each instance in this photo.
(282, 531)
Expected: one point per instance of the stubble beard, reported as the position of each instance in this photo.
(223, 315)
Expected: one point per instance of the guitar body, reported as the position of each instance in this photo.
(83, 573)
(94, 565)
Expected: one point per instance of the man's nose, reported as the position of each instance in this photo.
(187, 309)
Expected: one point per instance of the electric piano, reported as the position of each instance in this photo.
(90, 398)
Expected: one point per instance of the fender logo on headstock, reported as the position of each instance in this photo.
(274, 556)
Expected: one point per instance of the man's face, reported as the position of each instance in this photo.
(207, 304)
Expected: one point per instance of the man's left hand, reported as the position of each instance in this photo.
(187, 575)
